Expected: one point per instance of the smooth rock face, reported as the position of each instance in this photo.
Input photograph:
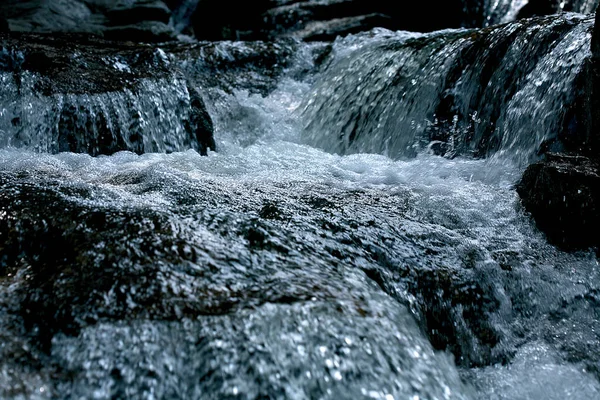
(562, 193)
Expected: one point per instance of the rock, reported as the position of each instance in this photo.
(318, 20)
(50, 16)
(145, 32)
(4, 26)
(136, 20)
(139, 11)
(538, 8)
(562, 193)
(329, 30)
(210, 261)
(229, 20)
(97, 97)
(200, 122)
(463, 91)
(547, 7)
(596, 38)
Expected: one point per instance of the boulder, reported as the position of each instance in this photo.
(139, 11)
(562, 194)
(137, 20)
(319, 20)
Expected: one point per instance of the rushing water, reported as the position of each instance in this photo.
(287, 266)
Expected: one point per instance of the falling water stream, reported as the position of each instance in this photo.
(328, 248)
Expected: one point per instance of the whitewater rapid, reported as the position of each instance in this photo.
(460, 214)
(278, 266)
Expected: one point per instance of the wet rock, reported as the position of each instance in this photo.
(547, 7)
(139, 11)
(320, 20)
(329, 30)
(562, 193)
(456, 310)
(539, 7)
(238, 290)
(146, 32)
(139, 20)
(96, 97)
(252, 66)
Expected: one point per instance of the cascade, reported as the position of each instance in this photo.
(292, 220)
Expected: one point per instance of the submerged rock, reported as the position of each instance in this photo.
(208, 295)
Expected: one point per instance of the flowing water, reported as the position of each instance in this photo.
(326, 250)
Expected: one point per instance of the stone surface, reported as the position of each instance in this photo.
(96, 97)
(547, 7)
(323, 20)
(137, 20)
(562, 193)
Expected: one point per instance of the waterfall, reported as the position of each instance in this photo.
(289, 220)
(467, 92)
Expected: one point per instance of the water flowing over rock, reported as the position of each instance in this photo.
(97, 98)
(462, 92)
(546, 7)
(274, 269)
(562, 190)
(219, 264)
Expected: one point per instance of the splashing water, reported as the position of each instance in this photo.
(279, 269)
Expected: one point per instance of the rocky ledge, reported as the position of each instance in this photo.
(83, 94)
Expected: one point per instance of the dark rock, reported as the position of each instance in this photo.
(51, 16)
(200, 122)
(539, 7)
(445, 297)
(138, 20)
(329, 30)
(144, 32)
(319, 20)
(4, 26)
(229, 20)
(596, 38)
(139, 11)
(562, 193)
(547, 7)
(95, 96)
